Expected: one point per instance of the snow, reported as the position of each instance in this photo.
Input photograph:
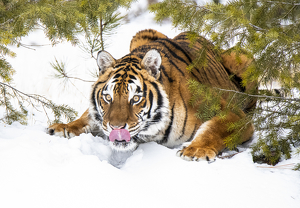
(39, 170)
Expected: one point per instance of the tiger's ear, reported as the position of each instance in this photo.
(151, 62)
(104, 61)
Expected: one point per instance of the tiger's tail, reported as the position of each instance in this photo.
(145, 36)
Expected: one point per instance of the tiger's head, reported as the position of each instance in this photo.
(127, 102)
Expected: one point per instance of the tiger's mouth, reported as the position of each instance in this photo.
(121, 140)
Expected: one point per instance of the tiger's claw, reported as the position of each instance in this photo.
(192, 153)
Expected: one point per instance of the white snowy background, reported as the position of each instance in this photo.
(42, 171)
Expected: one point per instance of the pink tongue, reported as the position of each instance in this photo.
(119, 135)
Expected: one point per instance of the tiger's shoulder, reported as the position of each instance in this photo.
(145, 36)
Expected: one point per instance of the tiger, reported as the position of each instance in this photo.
(143, 97)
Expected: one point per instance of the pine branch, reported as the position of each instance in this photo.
(259, 96)
(58, 110)
(199, 7)
(278, 2)
(60, 69)
(35, 97)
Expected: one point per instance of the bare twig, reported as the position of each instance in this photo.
(229, 156)
(286, 166)
(5, 103)
(83, 80)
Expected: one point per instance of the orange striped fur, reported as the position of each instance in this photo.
(146, 93)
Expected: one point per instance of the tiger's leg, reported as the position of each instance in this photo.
(71, 129)
(209, 139)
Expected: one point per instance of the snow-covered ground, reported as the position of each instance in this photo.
(38, 170)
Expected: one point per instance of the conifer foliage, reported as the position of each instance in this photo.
(60, 20)
(267, 30)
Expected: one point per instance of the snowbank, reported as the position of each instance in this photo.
(38, 170)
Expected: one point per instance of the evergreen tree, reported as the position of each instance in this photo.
(61, 21)
(267, 30)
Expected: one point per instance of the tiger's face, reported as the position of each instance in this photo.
(128, 103)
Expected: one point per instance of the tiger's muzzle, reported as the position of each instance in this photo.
(121, 139)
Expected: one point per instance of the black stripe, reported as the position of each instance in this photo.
(117, 76)
(175, 65)
(165, 73)
(218, 68)
(157, 117)
(237, 81)
(185, 118)
(120, 65)
(98, 117)
(168, 131)
(98, 94)
(93, 100)
(160, 80)
(105, 87)
(141, 51)
(98, 83)
(134, 71)
(200, 74)
(129, 59)
(132, 77)
(149, 37)
(159, 96)
(136, 66)
(145, 89)
(94, 92)
(121, 69)
(196, 78)
(181, 36)
(178, 47)
(144, 105)
(65, 132)
(151, 102)
(172, 53)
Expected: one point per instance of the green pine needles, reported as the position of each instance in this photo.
(61, 21)
(269, 31)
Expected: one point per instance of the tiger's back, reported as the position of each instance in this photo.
(177, 55)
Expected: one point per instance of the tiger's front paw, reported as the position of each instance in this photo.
(197, 153)
(67, 130)
(61, 130)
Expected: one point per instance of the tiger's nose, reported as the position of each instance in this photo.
(116, 127)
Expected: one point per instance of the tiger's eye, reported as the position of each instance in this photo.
(108, 97)
(136, 98)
